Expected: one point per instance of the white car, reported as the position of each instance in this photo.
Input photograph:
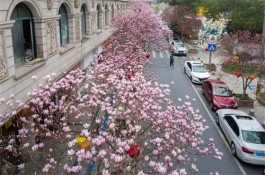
(196, 71)
(244, 134)
(179, 47)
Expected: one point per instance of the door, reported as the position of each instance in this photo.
(208, 91)
(18, 43)
(189, 69)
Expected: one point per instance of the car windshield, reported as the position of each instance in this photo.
(200, 69)
(253, 137)
(180, 45)
(222, 91)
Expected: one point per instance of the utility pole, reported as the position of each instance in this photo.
(210, 57)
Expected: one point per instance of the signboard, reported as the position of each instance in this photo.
(211, 47)
(212, 39)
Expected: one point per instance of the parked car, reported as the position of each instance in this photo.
(218, 94)
(179, 48)
(245, 135)
(196, 71)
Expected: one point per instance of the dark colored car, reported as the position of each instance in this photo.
(218, 95)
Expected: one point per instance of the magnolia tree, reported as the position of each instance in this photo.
(115, 120)
(182, 20)
(140, 25)
(248, 55)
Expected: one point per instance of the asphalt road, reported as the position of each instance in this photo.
(182, 86)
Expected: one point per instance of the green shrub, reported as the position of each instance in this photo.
(241, 97)
(262, 96)
(232, 68)
(210, 67)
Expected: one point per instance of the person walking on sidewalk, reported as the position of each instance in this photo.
(171, 64)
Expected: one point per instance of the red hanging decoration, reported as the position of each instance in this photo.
(147, 55)
(229, 61)
(130, 76)
(134, 151)
(238, 74)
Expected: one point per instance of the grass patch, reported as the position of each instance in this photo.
(262, 96)
(210, 67)
(242, 97)
(232, 68)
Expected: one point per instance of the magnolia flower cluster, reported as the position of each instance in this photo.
(117, 118)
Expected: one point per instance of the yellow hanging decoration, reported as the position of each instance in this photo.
(80, 140)
(236, 58)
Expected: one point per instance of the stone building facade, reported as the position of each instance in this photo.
(40, 37)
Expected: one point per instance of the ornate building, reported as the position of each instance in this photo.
(40, 37)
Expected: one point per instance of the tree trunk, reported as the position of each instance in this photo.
(244, 87)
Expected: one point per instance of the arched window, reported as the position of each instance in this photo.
(63, 23)
(112, 11)
(23, 35)
(83, 21)
(99, 15)
(106, 15)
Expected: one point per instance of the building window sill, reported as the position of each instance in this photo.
(85, 38)
(4, 79)
(99, 31)
(66, 48)
(29, 68)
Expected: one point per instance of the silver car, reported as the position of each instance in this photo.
(244, 134)
(179, 48)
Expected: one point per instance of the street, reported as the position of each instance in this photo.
(182, 86)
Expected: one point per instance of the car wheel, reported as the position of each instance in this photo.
(217, 119)
(233, 149)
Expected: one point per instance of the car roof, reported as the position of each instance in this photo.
(248, 123)
(217, 83)
(244, 121)
(195, 63)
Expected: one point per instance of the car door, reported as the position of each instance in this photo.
(189, 69)
(208, 91)
(231, 129)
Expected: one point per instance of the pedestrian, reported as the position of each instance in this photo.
(171, 61)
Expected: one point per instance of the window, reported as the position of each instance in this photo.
(63, 24)
(23, 35)
(222, 91)
(200, 69)
(189, 65)
(106, 15)
(112, 12)
(209, 86)
(231, 122)
(83, 21)
(99, 16)
(256, 137)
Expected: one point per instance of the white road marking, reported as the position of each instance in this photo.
(168, 53)
(218, 129)
(154, 54)
(161, 55)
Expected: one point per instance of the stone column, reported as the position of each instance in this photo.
(71, 27)
(77, 28)
(7, 64)
(94, 26)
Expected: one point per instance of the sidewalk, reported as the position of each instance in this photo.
(233, 83)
